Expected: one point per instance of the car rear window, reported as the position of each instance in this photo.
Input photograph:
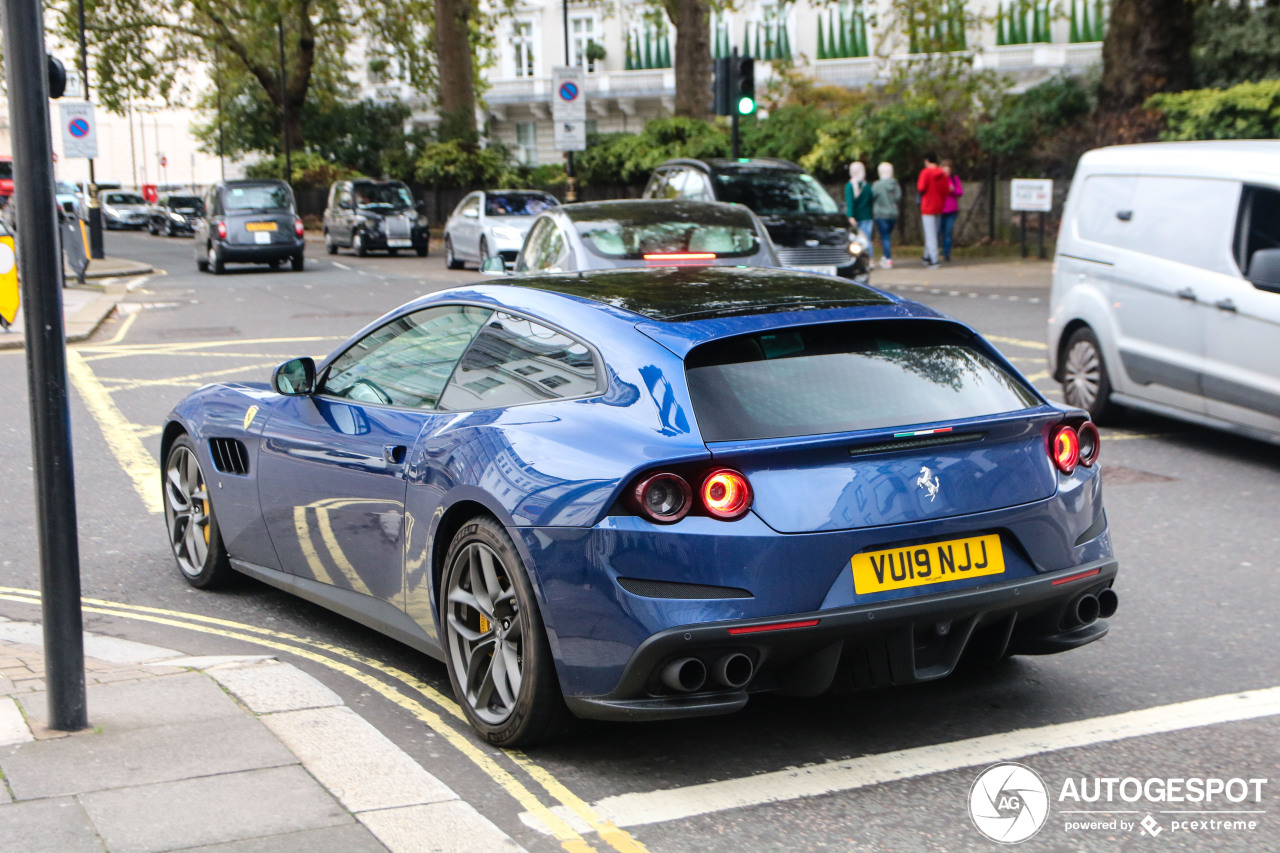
(842, 377)
(257, 197)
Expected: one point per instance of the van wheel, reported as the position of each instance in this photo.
(1085, 381)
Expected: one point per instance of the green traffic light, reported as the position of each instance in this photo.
(746, 106)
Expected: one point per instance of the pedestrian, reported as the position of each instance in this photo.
(857, 203)
(933, 186)
(886, 195)
(950, 209)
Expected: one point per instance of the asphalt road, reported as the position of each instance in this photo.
(1192, 515)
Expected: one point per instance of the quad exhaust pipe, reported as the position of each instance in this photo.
(686, 675)
(733, 670)
(1108, 601)
(689, 675)
(1089, 608)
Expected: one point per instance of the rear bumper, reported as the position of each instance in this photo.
(251, 254)
(897, 642)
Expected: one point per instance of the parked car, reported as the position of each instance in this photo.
(366, 215)
(175, 214)
(492, 222)
(123, 209)
(644, 232)
(651, 493)
(1150, 313)
(808, 229)
(69, 198)
(249, 222)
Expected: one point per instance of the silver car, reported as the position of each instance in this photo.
(646, 232)
(492, 223)
(124, 210)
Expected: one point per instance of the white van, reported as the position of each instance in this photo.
(1166, 284)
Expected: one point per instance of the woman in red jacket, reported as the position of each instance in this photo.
(934, 185)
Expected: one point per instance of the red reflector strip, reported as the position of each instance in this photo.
(921, 432)
(777, 626)
(681, 256)
(1070, 578)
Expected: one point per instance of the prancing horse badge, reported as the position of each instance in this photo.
(929, 482)
(249, 415)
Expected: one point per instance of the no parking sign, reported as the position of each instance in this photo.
(79, 131)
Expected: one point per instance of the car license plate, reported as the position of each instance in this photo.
(920, 565)
(260, 226)
(831, 270)
(399, 244)
(262, 237)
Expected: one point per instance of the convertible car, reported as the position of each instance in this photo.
(650, 493)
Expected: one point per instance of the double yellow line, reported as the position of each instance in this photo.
(447, 720)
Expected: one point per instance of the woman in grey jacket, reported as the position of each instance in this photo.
(886, 194)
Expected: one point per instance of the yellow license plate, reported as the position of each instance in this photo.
(920, 565)
(260, 226)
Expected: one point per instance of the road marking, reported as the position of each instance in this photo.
(341, 266)
(119, 432)
(123, 330)
(1017, 342)
(546, 819)
(191, 379)
(639, 809)
(1036, 377)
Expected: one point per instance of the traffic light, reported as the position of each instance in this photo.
(743, 75)
(723, 85)
(57, 78)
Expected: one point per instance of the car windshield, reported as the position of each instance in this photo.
(383, 196)
(770, 192)
(64, 188)
(843, 377)
(257, 197)
(124, 198)
(185, 202)
(517, 204)
(642, 237)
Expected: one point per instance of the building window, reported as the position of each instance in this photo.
(527, 142)
(582, 34)
(522, 47)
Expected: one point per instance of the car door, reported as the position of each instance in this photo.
(1242, 372)
(333, 465)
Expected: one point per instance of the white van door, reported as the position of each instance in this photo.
(1242, 344)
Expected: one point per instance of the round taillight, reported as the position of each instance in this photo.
(222, 230)
(297, 227)
(1090, 443)
(1064, 447)
(664, 498)
(726, 494)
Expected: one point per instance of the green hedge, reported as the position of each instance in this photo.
(1246, 111)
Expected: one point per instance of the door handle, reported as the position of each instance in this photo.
(1124, 215)
(394, 453)
(1187, 294)
(1226, 305)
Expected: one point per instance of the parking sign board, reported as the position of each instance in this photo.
(79, 131)
(569, 109)
(1025, 194)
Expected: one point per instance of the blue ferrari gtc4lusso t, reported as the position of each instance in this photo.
(644, 494)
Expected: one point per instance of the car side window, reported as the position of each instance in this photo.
(695, 187)
(408, 361)
(514, 360)
(344, 197)
(533, 244)
(547, 249)
(1257, 227)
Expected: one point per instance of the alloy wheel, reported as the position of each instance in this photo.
(1082, 375)
(486, 631)
(187, 511)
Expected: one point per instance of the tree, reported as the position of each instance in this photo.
(1236, 43)
(453, 47)
(1147, 50)
(692, 22)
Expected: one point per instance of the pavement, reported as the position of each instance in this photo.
(227, 754)
(961, 275)
(84, 307)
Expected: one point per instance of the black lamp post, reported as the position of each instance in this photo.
(95, 212)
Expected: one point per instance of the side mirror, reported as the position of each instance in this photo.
(1264, 270)
(471, 213)
(493, 265)
(295, 378)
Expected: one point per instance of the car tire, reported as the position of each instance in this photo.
(393, 252)
(194, 535)
(1086, 384)
(151, 229)
(508, 709)
(215, 260)
(484, 250)
(358, 246)
(298, 262)
(202, 261)
(168, 229)
(330, 246)
(449, 260)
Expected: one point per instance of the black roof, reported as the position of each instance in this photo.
(684, 294)
(745, 164)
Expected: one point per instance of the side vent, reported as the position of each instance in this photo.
(229, 455)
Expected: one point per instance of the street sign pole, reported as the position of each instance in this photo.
(95, 212)
(40, 272)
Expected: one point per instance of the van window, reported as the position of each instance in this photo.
(1258, 225)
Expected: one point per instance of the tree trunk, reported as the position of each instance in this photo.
(1147, 50)
(692, 21)
(456, 73)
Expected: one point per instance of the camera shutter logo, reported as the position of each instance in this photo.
(1008, 803)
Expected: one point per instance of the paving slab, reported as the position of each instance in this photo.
(211, 810)
(91, 761)
(452, 827)
(270, 687)
(339, 839)
(141, 704)
(47, 826)
(13, 728)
